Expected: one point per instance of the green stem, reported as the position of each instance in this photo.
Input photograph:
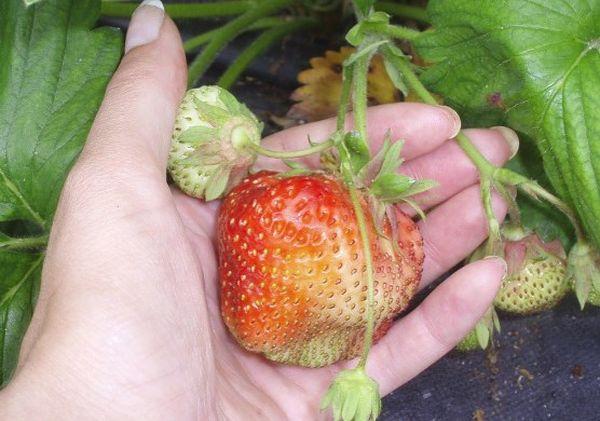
(182, 10)
(259, 46)
(347, 75)
(23, 243)
(494, 236)
(403, 11)
(413, 82)
(483, 165)
(359, 95)
(199, 40)
(366, 245)
(228, 32)
(319, 147)
(535, 191)
(393, 31)
(402, 64)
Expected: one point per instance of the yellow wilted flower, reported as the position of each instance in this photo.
(319, 96)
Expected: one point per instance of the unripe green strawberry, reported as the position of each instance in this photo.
(469, 342)
(594, 297)
(211, 147)
(536, 279)
(292, 268)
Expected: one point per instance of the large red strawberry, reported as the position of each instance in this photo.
(292, 268)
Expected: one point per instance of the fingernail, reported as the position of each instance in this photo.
(145, 24)
(511, 138)
(454, 119)
(500, 262)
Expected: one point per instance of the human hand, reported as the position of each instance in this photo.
(127, 324)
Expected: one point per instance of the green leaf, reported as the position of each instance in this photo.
(217, 183)
(392, 161)
(369, 49)
(395, 76)
(215, 116)
(230, 101)
(356, 34)
(391, 185)
(534, 65)
(420, 186)
(356, 151)
(197, 134)
(483, 334)
(363, 6)
(53, 73)
(30, 2)
(19, 282)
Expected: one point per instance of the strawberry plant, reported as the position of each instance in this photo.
(532, 65)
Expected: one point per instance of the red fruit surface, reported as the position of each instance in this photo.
(292, 270)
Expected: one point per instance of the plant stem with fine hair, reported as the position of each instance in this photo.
(227, 33)
(366, 246)
(319, 147)
(259, 46)
(181, 10)
(23, 243)
(201, 39)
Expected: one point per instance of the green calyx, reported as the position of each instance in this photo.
(353, 396)
(485, 328)
(213, 143)
(584, 271)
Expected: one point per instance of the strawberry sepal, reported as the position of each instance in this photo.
(353, 396)
(584, 271)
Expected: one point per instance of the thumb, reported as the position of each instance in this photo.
(133, 126)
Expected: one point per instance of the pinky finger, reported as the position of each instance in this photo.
(436, 325)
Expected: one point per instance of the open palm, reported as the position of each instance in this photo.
(128, 322)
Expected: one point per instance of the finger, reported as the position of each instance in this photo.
(133, 126)
(423, 127)
(454, 229)
(436, 325)
(453, 170)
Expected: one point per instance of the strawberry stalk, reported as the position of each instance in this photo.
(199, 40)
(366, 245)
(260, 45)
(228, 32)
(23, 243)
(353, 395)
(180, 10)
(317, 148)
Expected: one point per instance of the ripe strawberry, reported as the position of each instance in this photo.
(292, 268)
(536, 279)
